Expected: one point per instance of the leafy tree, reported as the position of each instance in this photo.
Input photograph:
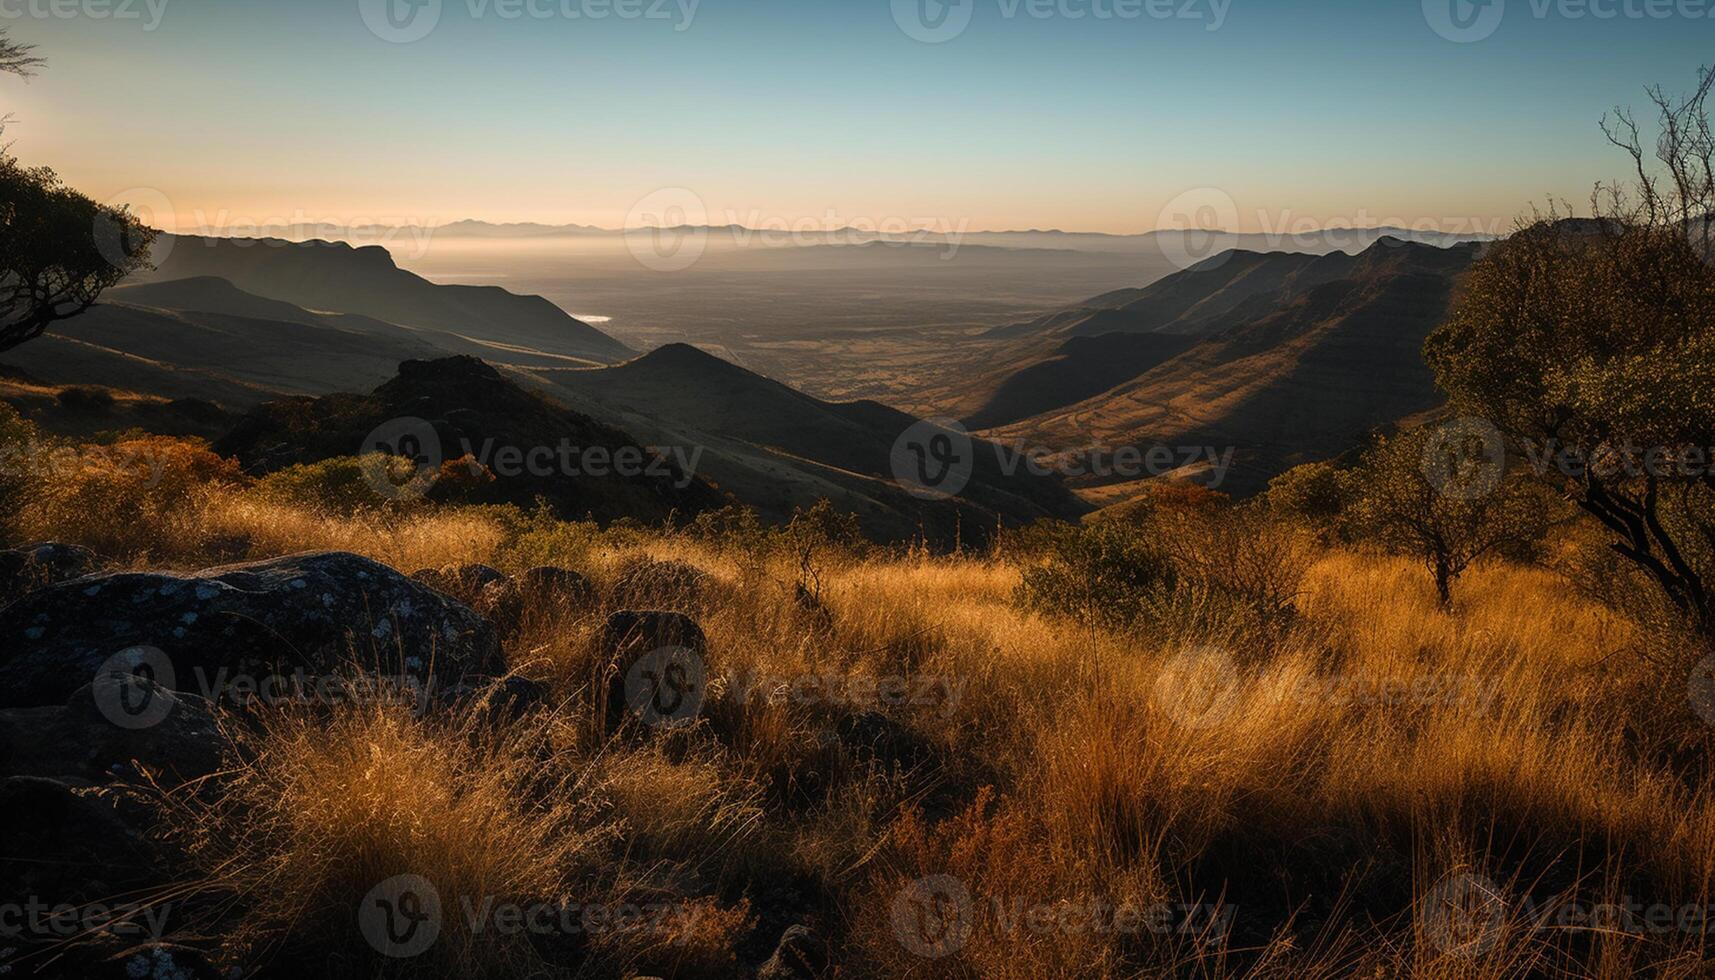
(59, 250)
(1591, 345)
(1314, 492)
(1440, 494)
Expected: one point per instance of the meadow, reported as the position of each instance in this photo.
(1292, 761)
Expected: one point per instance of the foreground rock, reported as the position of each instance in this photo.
(89, 740)
(305, 618)
(650, 668)
(69, 845)
(24, 570)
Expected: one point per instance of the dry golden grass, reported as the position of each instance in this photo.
(1311, 796)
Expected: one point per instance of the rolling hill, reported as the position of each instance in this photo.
(474, 410)
(1284, 358)
(776, 448)
(203, 337)
(334, 276)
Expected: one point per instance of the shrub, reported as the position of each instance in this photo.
(136, 496)
(822, 528)
(1105, 572)
(86, 399)
(539, 538)
(341, 485)
(1244, 557)
(1431, 494)
(1316, 493)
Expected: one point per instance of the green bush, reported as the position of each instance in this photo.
(340, 485)
(1104, 573)
(540, 538)
(1316, 493)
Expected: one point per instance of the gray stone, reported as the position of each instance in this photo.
(318, 616)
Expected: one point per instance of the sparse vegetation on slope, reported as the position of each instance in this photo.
(944, 766)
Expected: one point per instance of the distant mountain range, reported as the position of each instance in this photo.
(1283, 357)
(1153, 243)
(291, 358)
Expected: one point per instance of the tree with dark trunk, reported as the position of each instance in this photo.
(1591, 345)
(1440, 494)
(59, 250)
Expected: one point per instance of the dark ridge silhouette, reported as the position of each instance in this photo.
(470, 405)
(320, 275)
(777, 448)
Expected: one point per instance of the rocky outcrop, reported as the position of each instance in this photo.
(299, 619)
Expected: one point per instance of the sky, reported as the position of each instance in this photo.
(1092, 115)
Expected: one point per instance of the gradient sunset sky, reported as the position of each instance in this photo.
(1355, 111)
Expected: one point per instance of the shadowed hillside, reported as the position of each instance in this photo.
(775, 448)
(321, 275)
(1287, 358)
(528, 447)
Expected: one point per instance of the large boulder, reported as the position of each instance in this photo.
(294, 621)
(549, 585)
(24, 570)
(89, 740)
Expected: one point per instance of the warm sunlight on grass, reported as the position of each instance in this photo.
(1284, 800)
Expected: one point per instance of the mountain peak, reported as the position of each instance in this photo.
(681, 357)
(459, 369)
